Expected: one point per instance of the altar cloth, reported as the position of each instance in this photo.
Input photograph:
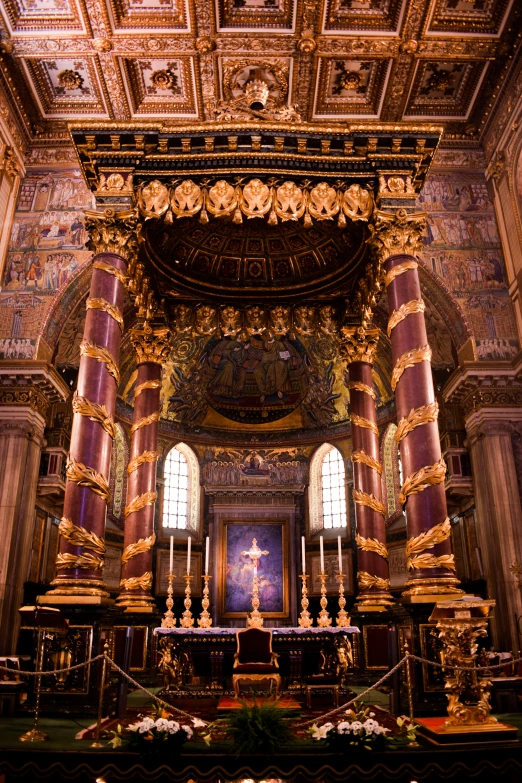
(275, 631)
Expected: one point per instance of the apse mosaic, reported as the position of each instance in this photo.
(46, 248)
(462, 247)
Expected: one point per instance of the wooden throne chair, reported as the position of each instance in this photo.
(254, 660)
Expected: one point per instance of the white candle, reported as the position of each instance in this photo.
(303, 553)
(206, 556)
(340, 554)
(322, 553)
(171, 554)
(188, 554)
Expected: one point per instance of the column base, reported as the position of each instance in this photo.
(371, 604)
(77, 589)
(70, 600)
(423, 591)
(139, 604)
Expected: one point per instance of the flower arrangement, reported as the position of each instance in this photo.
(258, 728)
(162, 733)
(361, 730)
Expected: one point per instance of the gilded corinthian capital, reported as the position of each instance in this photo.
(357, 344)
(151, 343)
(396, 233)
(113, 232)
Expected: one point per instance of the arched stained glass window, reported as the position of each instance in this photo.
(333, 490)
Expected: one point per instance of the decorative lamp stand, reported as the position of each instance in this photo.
(305, 620)
(324, 620)
(205, 620)
(255, 618)
(343, 620)
(187, 621)
(35, 735)
(169, 621)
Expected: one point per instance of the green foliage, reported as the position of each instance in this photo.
(259, 728)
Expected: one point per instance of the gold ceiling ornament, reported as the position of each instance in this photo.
(205, 44)
(94, 412)
(365, 499)
(70, 80)
(402, 312)
(139, 502)
(415, 418)
(365, 459)
(113, 232)
(111, 270)
(151, 342)
(155, 384)
(153, 200)
(362, 387)
(431, 561)
(86, 561)
(360, 421)
(87, 477)
(163, 79)
(430, 538)
(141, 459)
(357, 344)
(138, 548)
(372, 545)
(102, 45)
(101, 354)
(409, 359)
(364, 580)
(97, 303)
(398, 270)
(307, 44)
(186, 199)
(290, 201)
(143, 582)
(397, 234)
(222, 198)
(79, 536)
(422, 479)
(145, 421)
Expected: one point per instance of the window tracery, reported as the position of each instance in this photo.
(181, 489)
(327, 491)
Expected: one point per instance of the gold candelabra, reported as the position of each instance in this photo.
(205, 620)
(324, 620)
(169, 621)
(187, 621)
(305, 620)
(343, 620)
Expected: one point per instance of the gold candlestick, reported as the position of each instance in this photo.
(187, 621)
(205, 620)
(324, 620)
(343, 620)
(305, 620)
(255, 619)
(169, 621)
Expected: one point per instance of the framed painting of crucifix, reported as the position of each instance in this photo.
(236, 571)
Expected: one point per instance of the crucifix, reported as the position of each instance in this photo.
(255, 620)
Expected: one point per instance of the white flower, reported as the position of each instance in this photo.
(356, 726)
(344, 727)
(146, 725)
(133, 726)
(173, 727)
(320, 732)
(372, 714)
(198, 724)
(370, 725)
(188, 730)
(162, 724)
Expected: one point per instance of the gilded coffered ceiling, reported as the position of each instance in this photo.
(443, 61)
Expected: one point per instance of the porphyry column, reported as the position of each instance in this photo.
(152, 344)
(82, 529)
(358, 346)
(396, 237)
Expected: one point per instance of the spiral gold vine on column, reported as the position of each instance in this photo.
(422, 479)
(141, 459)
(372, 545)
(143, 582)
(138, 548)
(360, 421)
(363, 387)
(402, 312)
(430, 538)
(79, 536)
(369, 580)
(87, 477)
(364, 499)
(400, 269)
(97, 303)
(147, 499)
(145, 421)
(85, 560)
(146, 385)
(415, 418)
(409, 359)
(431, 561)
(101, 355)
(362, 456)
(94, 412)
(111, 270)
